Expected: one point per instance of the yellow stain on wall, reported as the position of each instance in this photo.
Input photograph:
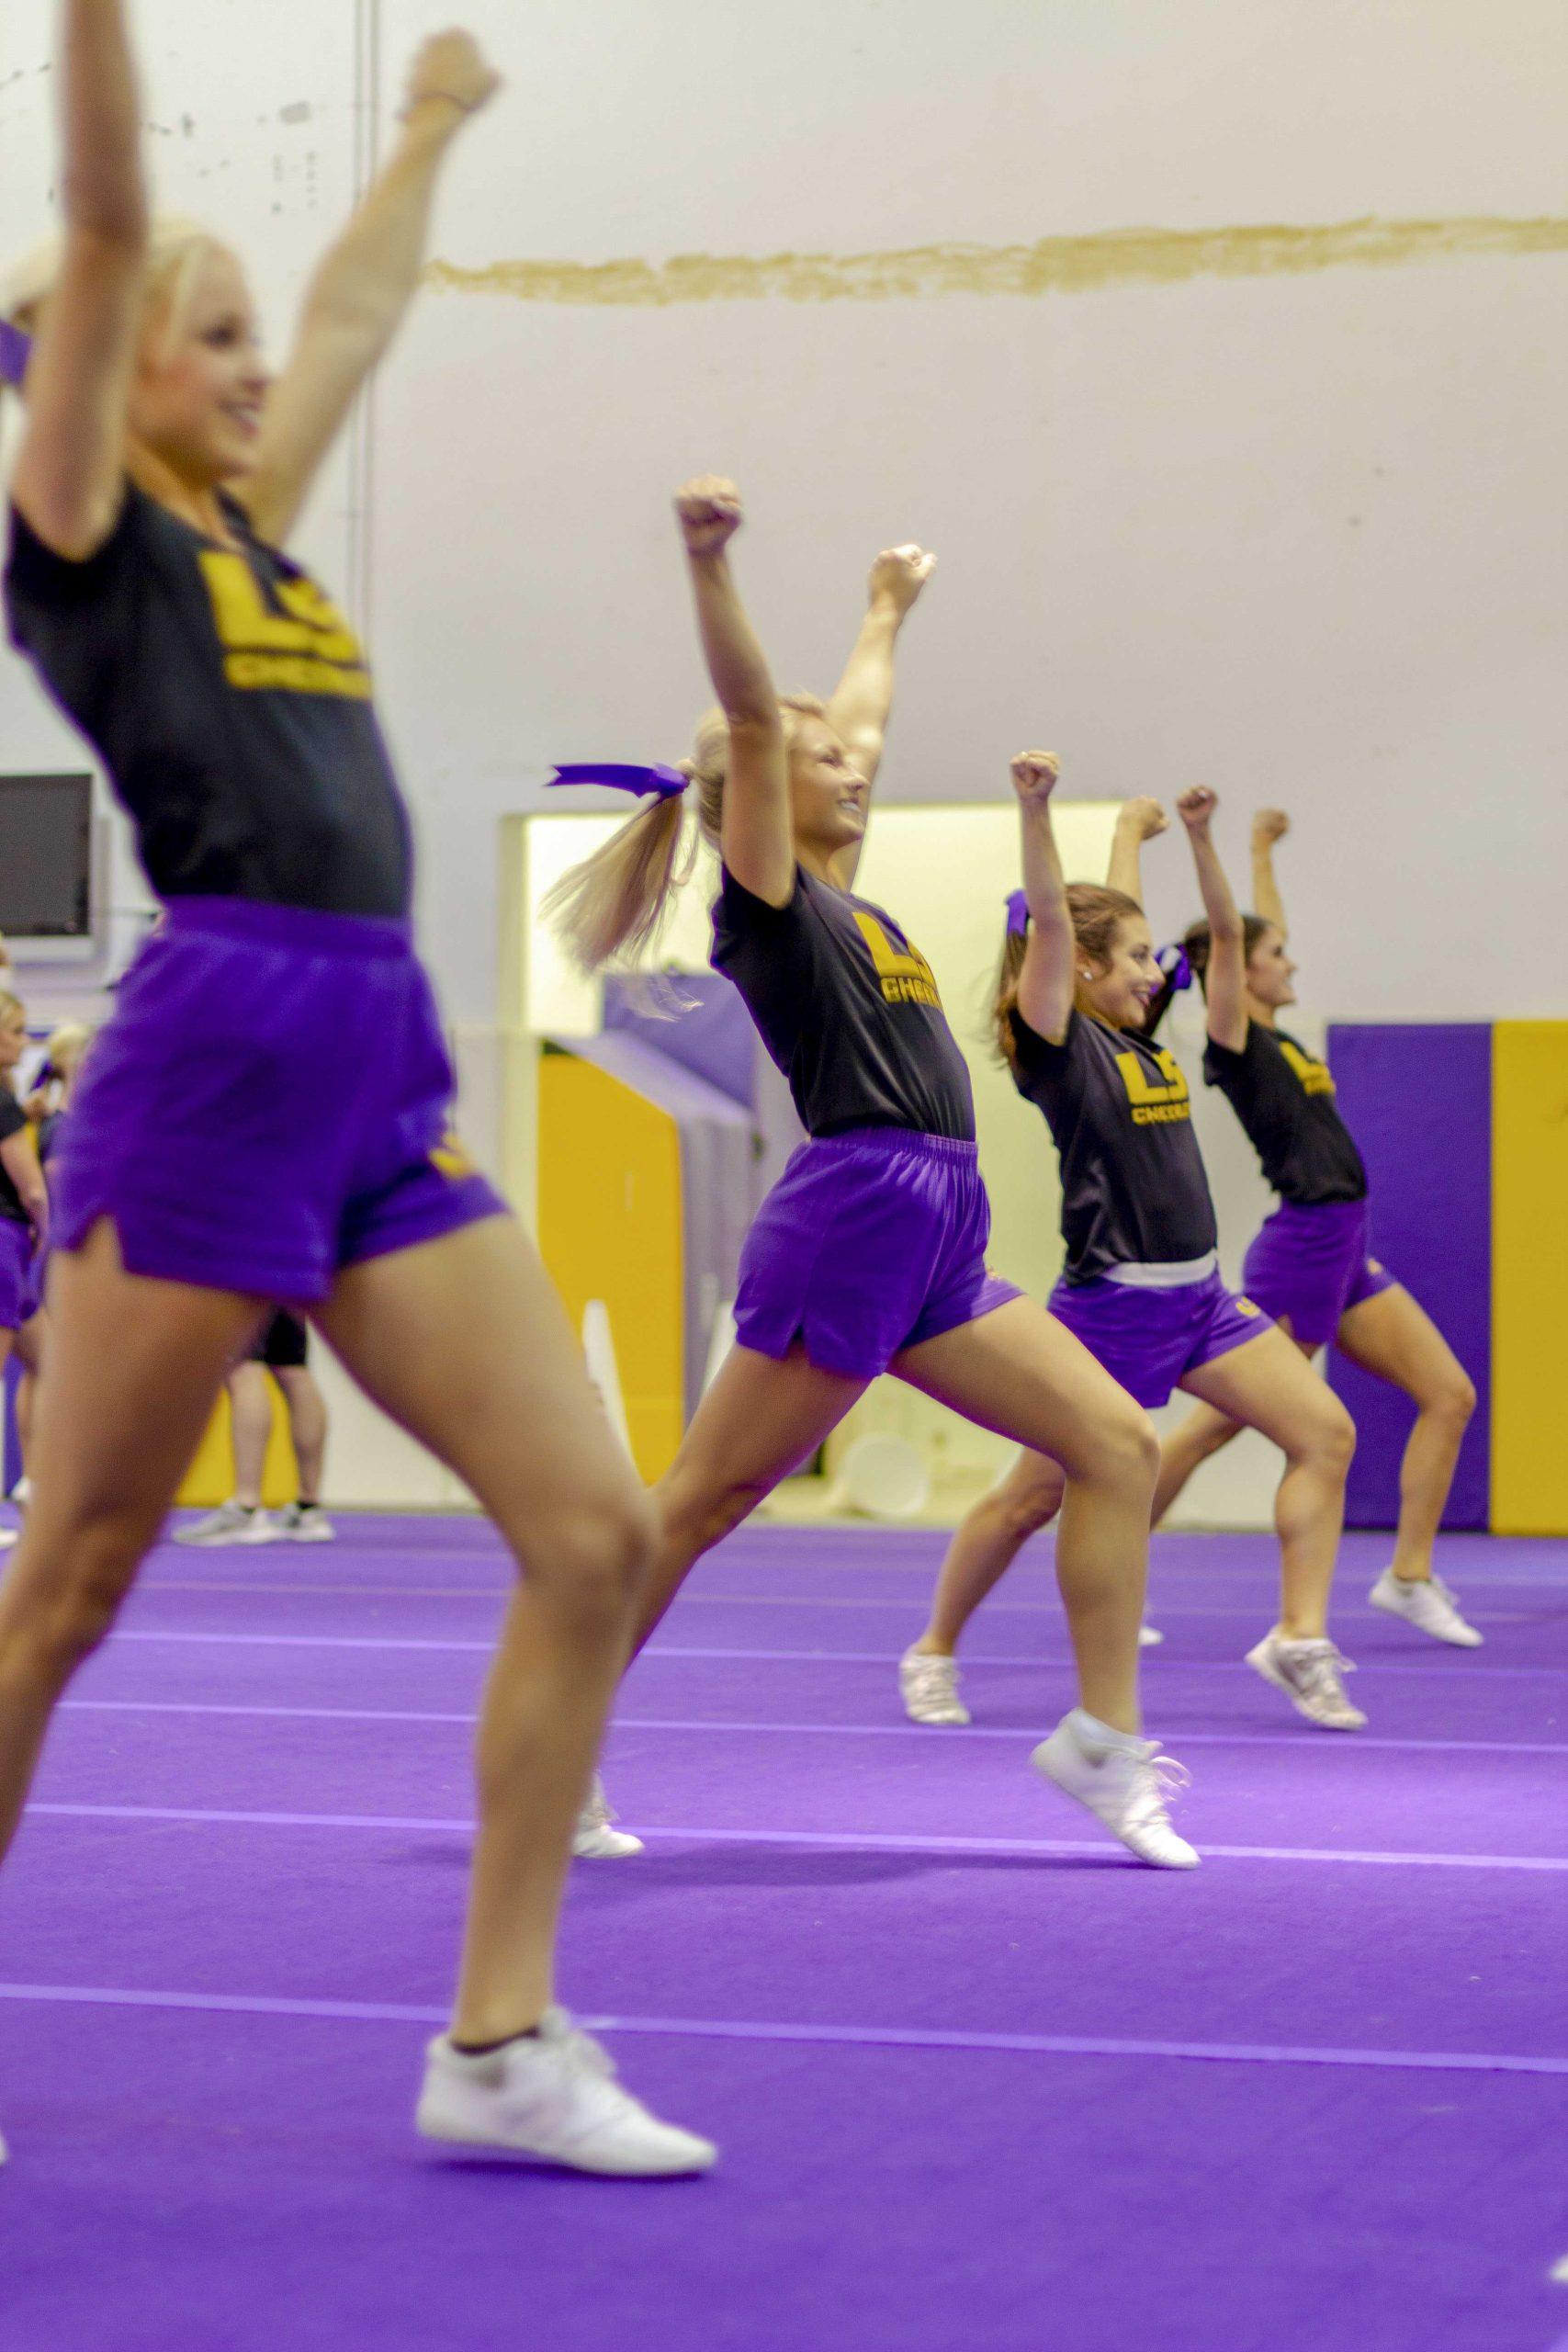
(610, 1227)
(210, 1478)
(1051, 265)
(1530, 1278)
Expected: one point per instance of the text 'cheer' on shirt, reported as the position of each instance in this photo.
(1285, 1099)
(1134, 1191)
(230, 703)
(847, 1008)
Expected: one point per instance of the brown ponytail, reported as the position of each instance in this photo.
(1196, 944)
(1097, 913)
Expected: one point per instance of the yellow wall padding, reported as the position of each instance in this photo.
(210, 1478)
(1530, 1278)
(610, 1227)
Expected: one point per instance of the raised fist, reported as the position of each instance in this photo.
(899, 574)
(1034, 777)
(708, 511)
(1146, 816)
(1270, 825)
(1195, 808)
(452, 65)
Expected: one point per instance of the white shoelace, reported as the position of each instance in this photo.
(932, 1677)
(581, 2051)
(1322, 1668)
(1157, 1782)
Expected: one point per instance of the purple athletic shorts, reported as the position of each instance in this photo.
(1310, 1263)
(1149, 1339)
(870, 1242)
(268, 1103)
(19, 1274)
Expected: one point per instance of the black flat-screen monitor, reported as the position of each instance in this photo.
(46, 845)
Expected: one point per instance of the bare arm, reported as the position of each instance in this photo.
(863, 699)
(19, 1157)
(69, 480)
(1226, 975)
(757, 841)
(1137, 822)
(360, 294)
(1270, 825)
(1046, 983)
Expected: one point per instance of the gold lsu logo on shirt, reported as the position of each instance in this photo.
(1314, 1076)
(1155, 1103)
(305, 648)
(906, 976)
(449, 1160)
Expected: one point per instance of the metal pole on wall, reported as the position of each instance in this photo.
(362, 423)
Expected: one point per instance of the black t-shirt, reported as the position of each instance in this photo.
(12, 1121)
(1134, 1187)
(847, 1008)
(1284, 1098)
(230, 703)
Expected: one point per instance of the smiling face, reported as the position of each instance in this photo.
(1125, 980)
(201, 383)
(828, 793)
(1271, 974)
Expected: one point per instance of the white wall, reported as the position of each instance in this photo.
(1296, 531)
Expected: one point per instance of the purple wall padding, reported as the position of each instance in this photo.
(711, 1033)
(1417, 1098)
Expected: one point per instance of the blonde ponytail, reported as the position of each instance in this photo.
(613, 907)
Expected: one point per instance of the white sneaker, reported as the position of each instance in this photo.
(1429, 1605)
(1127, 1783)
(595, 1839)
(304, 1524)
(1149, 1636)
(1311, 1674)
(231, 1523)
(929, 1688)
(9, 1536)
(552, 2096)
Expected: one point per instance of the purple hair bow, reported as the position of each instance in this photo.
(16, 350)
(1178, 971)
(620, 777)
(1018, 914)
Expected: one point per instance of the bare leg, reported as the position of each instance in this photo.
(131, 1373)
(29, 1345)
(1266, 1385)
(464, 1341)
(1202, 1435)
(1023, 1374)
(308, 1425)
(1391, 1336)
(759, 1421)
(250, 1411)
(985, 1544)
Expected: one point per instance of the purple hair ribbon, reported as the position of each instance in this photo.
(1178, 971)
(1018, 913)
(665, 782)
(16, 350)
